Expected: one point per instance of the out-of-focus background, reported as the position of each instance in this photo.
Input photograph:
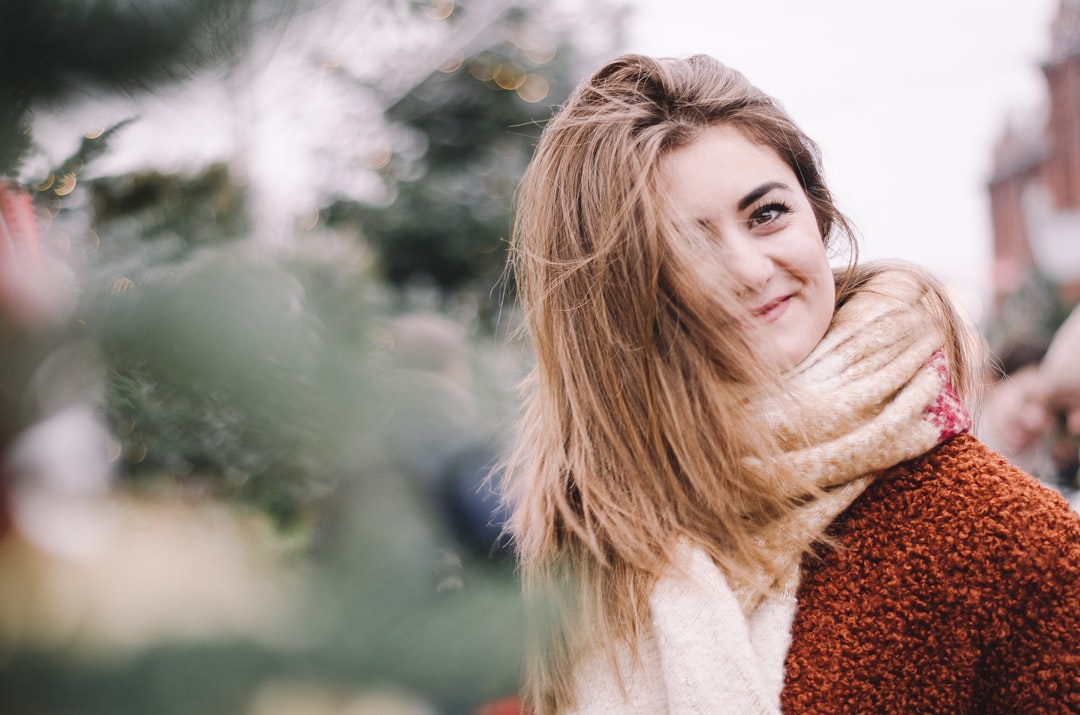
(258, 351)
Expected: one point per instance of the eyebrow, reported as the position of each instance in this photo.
(759, 192)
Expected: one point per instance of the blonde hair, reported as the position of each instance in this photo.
(637, 428)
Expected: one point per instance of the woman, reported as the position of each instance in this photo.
(745, 484)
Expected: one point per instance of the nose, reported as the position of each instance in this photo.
(750, 265)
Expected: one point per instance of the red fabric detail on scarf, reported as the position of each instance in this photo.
(947, 413)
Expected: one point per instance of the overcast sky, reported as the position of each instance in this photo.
(906, 99)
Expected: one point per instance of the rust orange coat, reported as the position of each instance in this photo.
(954, 588)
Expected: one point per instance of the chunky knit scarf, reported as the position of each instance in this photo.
(873, 393)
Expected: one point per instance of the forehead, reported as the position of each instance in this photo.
(722, 162)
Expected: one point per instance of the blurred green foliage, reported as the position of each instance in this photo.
(448, 223)
(1033, 311)
(51, 49)
(206, 208)
(260, 377)
(265, 376)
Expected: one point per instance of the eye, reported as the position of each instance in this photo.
(768, 213)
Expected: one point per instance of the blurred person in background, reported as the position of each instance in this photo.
(1060, 375)
(436, 436)
(1016, 419)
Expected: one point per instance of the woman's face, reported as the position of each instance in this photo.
(765, 234)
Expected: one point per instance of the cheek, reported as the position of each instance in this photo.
(820, 276)
(808, 326)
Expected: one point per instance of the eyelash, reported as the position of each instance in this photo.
(779, 206)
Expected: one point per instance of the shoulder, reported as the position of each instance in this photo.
(964, 482)
(951, 583)
(961, 514)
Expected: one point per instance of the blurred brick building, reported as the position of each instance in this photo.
(1035, 190)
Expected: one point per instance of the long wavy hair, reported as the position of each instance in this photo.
(637, 430)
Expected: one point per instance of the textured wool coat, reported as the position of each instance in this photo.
(954, 588)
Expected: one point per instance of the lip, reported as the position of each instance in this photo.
(772, 310)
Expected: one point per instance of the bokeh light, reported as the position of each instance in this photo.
(482, 68)
(508, 75)
(439, 9)
(452, 63)
(534, 89)
(65, 185)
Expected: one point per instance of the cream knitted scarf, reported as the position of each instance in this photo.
(873, 393)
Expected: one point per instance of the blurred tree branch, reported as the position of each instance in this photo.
(51, 49)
